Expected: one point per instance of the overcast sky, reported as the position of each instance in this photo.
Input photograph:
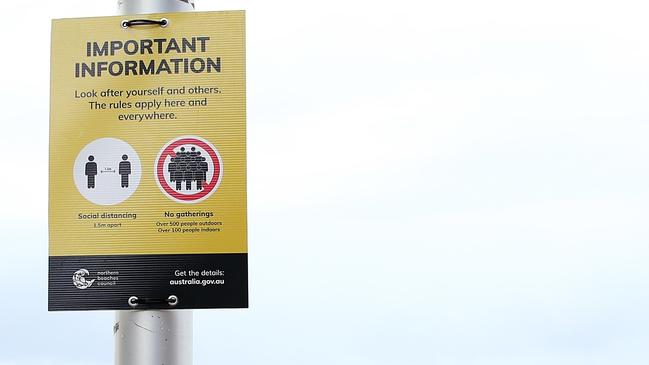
(430, 182)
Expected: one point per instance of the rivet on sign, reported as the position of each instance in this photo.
(172, 300)
(133, 301)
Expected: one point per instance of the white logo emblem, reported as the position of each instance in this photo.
(79, 279)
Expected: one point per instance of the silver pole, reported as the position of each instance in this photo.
(153, 337)
(129, 7)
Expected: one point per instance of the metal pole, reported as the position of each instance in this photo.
(129, 7)
(153, 337)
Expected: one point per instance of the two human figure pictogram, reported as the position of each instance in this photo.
(188, 166)
(124, 170)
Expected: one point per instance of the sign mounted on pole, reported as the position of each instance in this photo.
(147, 202)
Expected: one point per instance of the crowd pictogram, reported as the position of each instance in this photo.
(188, 167)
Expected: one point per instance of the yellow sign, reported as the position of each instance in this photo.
(147, 156)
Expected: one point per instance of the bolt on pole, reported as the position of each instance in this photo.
(153, 337)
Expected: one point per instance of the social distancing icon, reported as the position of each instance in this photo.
(107, 171)
(188, 169)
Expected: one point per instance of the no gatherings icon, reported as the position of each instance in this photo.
(189, 167)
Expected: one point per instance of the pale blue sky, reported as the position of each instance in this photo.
(450, 183)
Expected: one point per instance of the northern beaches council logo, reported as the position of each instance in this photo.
(79, 279)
